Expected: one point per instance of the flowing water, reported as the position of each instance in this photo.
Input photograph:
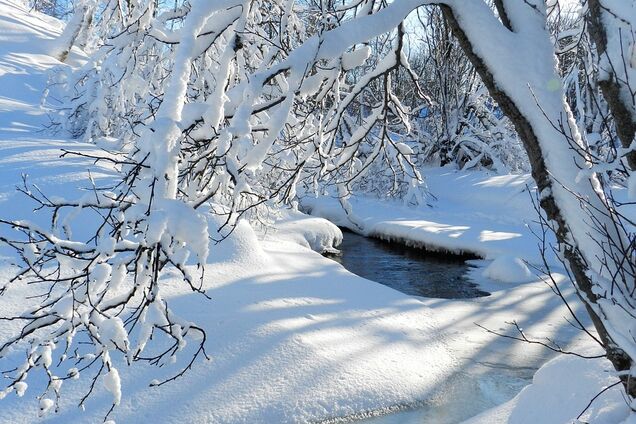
(417, 272)
(407, 269)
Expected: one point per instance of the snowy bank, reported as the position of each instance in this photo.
(561, 392)
(315, 233)
(294, 337)
(475, 213)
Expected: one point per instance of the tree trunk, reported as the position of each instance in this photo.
(72, 32)
(541, 175)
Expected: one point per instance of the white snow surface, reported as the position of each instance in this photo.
(475, 212)
(292, 336)
(508, 269)
(560, 392)
(315, 233)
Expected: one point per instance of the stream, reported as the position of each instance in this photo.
(421, 273)
(407, 269)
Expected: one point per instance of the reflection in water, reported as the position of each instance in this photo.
(410, 270)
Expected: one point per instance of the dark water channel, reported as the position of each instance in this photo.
(467, 391)
(410, 270)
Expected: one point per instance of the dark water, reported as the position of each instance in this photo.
(410, 270)
(417, 272)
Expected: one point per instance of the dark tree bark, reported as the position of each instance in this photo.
(541, 175)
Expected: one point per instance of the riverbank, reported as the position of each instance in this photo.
(407, 269)
(475, 212)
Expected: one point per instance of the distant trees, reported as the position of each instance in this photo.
(460, 123)
(56, 8)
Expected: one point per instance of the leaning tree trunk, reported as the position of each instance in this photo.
(546, 186)
(79, 23)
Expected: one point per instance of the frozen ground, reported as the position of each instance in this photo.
(292, 335)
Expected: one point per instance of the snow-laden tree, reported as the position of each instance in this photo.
(209, 108)
(611, 27)
(579, 66)
(238, 102)
(460, 123)
(515, 59)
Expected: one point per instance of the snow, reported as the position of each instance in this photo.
(112, 383)
(508, 269)
(298, 338)
(45, 405)
(355, 58)
(181, 221)
(24, 63)
(560, 392)
(292, 336)
(240, 246)
(526, 54)
(478, 213)
(20, 388)
(315, 233)
(112, 332)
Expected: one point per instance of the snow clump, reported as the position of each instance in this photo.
(508, 269)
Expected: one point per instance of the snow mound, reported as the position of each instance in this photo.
(560, 391)
(317, 234)
(238, 245)
(508, 269)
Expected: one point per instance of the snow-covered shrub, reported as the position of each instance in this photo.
(209, 108)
